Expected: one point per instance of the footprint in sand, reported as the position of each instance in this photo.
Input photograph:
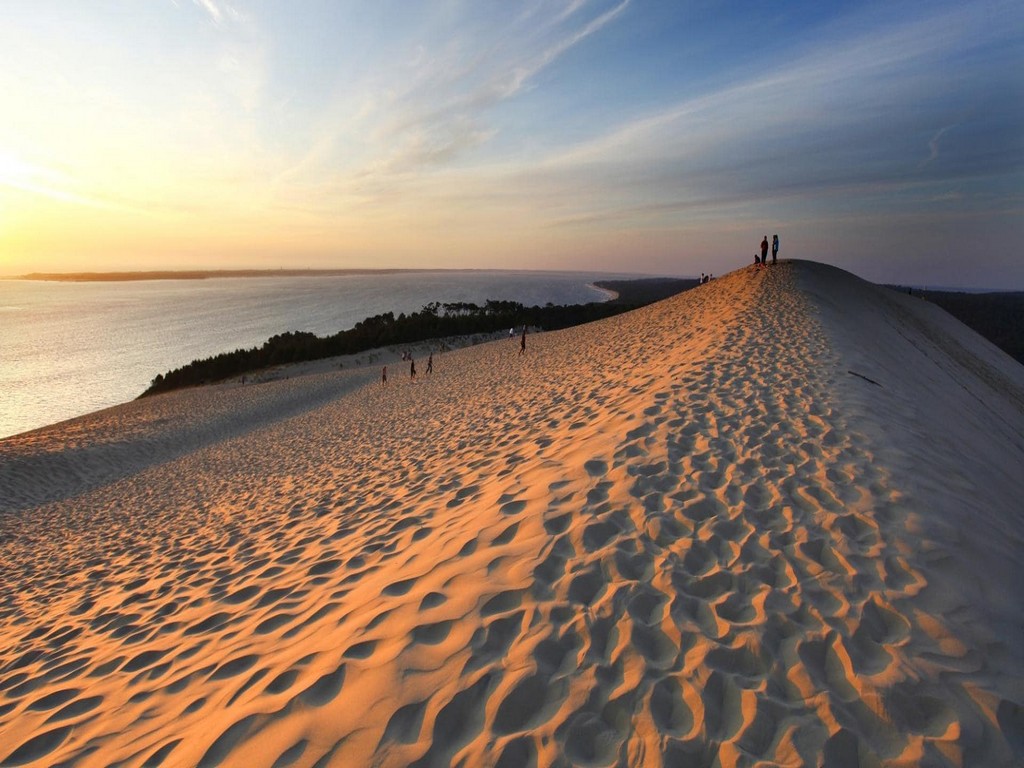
(38, 747)
(399, 588)
(432, 600)
(405, 724)
(523, 705)
(325, 689)
(432, 634)
(363, 650)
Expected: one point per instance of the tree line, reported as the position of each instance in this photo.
(434, 321)
(998, 316)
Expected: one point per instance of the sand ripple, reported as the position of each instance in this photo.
(678, 537)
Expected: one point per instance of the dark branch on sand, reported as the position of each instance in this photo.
(862, 376)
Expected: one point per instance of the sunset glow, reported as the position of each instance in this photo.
(585, 134)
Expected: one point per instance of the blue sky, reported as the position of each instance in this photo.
(623, 135)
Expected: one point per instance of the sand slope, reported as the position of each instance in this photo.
(775, 520)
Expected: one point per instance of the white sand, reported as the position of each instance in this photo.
(684, 535)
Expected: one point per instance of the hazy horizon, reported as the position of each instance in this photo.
(624, 275)
(583, 135)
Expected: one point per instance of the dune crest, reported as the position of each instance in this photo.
(773, 520)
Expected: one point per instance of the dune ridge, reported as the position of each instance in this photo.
(773, 520)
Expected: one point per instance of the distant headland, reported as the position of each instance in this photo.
(204, 274)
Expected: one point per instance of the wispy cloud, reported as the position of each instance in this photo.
(219, 11)
(933, 145)
(572, 119)
(211, 8)
(443, 112)
(836, 117)
(49, 183)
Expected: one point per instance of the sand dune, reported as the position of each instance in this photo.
(774, 520)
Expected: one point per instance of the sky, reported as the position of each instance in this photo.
(642, 136)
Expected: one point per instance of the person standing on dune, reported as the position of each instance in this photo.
(412, 368)
(764, 250)
(384, 375)
(775, 248)
(522, 342)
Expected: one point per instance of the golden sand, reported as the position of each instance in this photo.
(776, 520)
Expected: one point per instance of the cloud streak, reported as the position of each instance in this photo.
(444, 112)
(219, 12)
(581, 122)
(836, 118)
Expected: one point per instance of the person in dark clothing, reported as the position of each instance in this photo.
(764, 250)
(522, 342)
(775, 248)
(430, 363)
(384, 375)
(412, 368)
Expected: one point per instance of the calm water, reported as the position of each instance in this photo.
(67, 349)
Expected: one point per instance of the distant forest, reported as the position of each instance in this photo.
(999, 317)
(434, 321)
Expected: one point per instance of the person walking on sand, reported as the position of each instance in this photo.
(412, 368)
(764, 250)
(384, 376)
(775, 248)
(522, 342)
(430, 364)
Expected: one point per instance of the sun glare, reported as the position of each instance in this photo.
(13, 171)
(17, 174)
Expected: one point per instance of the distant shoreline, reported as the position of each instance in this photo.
(608, 292)
(434, 321)
(206, 274)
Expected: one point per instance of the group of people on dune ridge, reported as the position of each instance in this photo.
(762, 260)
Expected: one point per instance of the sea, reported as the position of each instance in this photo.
(71, 348)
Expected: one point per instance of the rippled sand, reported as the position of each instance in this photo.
(774, 520)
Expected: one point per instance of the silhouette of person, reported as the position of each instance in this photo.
(412, 368)
(430, 363)
(384, 375)
(764, 250)
(757, 260)
(522, 342)
(775, 248)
